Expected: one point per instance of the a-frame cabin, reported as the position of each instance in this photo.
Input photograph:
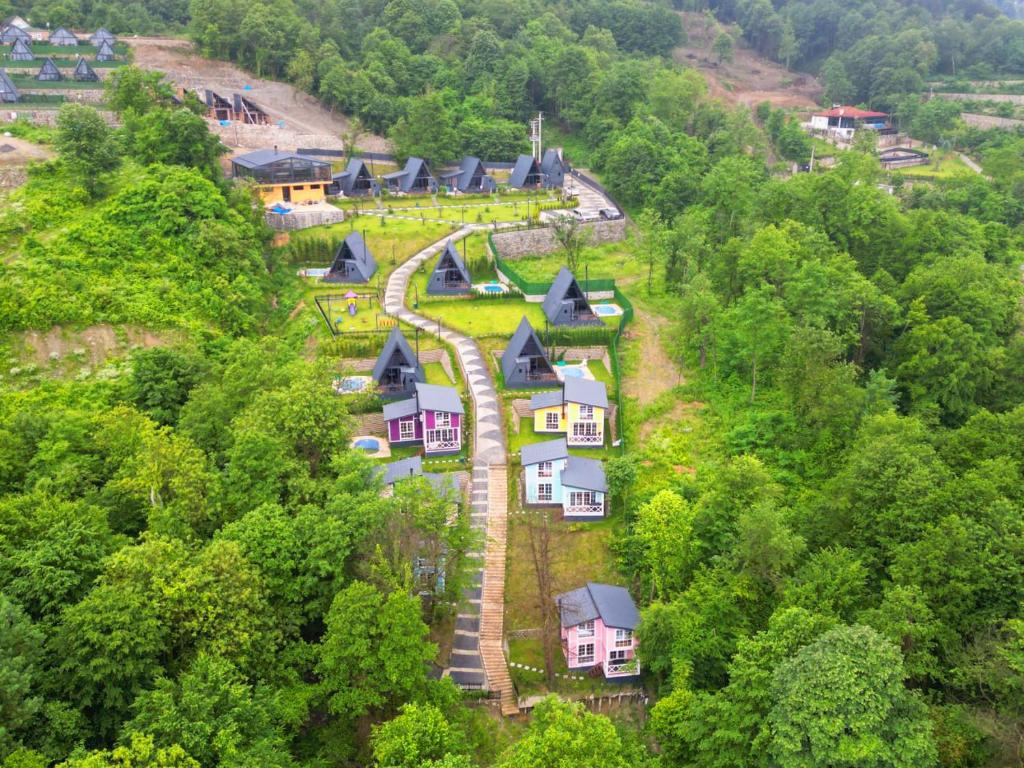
(217, 107)
(105, 52)
(353, 262)
(84, 73)
(525, 363)
(49, 72)
(397, 370)
(356, 180)
(450, 275)
(8, 93)
(12, 33)
(414, 179)
(247, 112)
(554, 168)
(525, 173)
(469, 177)
(62, 36)
(100, 36)
(20, 51)
(567, 304)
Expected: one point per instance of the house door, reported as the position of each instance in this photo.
(287, 192)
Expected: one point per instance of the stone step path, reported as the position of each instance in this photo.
(477, 656)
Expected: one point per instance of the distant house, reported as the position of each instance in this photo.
(414, 179)
(83, 72)
(842, 122)
(12, 33)
(526, 173)
(105, 52)
(101, 36)
(62, 36)
(450, 275)
(431, 417)
(599, 624)
(445, 483)
(284, 176)
(8, 93)
(16, 21)
(567, 304)
(552, 477)
(577, 411)
(554, 168)
(356, 180)
(21, 51)
(353, 262)
(397, 369)
(49, 72)
(469, 177)
(525, 362)
(892, 158)
(247, 111)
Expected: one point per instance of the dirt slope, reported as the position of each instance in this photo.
(306, 121)
(749, 79)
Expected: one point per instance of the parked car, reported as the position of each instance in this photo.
(610, 214)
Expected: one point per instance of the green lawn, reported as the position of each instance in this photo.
(29, 82)
(942, 164)
(477, 317)
(611, 260)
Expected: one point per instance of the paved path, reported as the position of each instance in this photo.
(477, 657)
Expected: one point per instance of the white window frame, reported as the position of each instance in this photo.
(545, 469)
(547, 495)
(585, 658)
(551, 420)
(442, 435)
(623, 638)
(581, 498)
(617, 657)
(442, 419)
(586, 629)
(407, 429)
(586, 412)
(585, 429)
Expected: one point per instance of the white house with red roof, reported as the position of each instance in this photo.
(842, 122)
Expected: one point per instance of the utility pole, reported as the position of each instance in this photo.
(536, 138)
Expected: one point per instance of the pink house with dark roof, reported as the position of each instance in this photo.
(599, 630)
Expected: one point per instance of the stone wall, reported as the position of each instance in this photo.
(527, 242)
(39, 114)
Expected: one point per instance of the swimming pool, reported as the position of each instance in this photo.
(493, 288)
(607, 310)
(370, 444)
(314, 272)
(573, 373)
(348, 385)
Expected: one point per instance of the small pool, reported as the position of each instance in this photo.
(369, 444)
(349, 385)
(572, 372)
(493, 288)
(607, 310)
(314, 272)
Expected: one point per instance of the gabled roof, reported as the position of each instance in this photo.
(585, 392)
(13, 32)
(398, 470)
(353, 249)
(105, 52)
(400, 409)
(463, 175)
(433, 397)
(564, 281)
(261, 157)
(450, 259)
(854, 112)
(49, 71)
(396, 342)
(406, 177)
(549, 450)
(584, 473)
(356, 168)
(20, 51)
(16, 21)
(546, 400)
(552, 160)
(525, 166)
(62, 34)
(8, 92)
(83, 71)
(524, 333)
(613, 605)
(101, 35)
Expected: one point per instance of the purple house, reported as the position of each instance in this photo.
(432, 417)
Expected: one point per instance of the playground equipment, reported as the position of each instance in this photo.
(351, 297)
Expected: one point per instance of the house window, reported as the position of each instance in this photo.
(623, 638)
(544, 469)
(585, 653)
(585, 429)
(442, 419)
(298, 187)
(406, 430)
(544, 492)
(586, 629)
(581, 498)
(435, 436)
(551, 420)
(616, 657)
(586, 413)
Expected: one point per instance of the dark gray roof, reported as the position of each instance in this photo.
(83, 71)
(13, 32)
(586, 391)
(525, 166)
(462, 177)
(398, 470)
(451, 253)
(564, 280)
(587, 474)
(613, 605)
(20, 51)
(261, 157)
(400, 409)
(549, 450)
(551, 160)
(49, 71)
(8, 93)
(406, 177)
(433, 397)
(62, 36)
(546, 399)
(396, 342)
(515, 346)
(104, 52)
(353, 249)
(101, 35)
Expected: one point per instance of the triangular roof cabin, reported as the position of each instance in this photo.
(105, 52)
(525, 362)
(415, 178)
(11, 33)
(553, 167)
(20, 51)
(450, 275)
(101, 35)
(62, 36)
(8, 93)
(353, 262)
(16, 21)
(83, 72)
(526, 173)
(356, 180)
(49, 71)
(397, 370)
(567, 304)
(470, 176)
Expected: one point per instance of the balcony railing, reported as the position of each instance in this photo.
(443, 445)
(622, 668)
(597, 439)
(584, 509)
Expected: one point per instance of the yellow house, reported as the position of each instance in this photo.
(284, 177)
(577, 411)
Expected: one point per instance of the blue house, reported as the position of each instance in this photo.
(552, 477)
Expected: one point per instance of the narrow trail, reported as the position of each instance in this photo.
(647, 331)
(478, 658)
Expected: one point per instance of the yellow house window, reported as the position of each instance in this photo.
(586, 413)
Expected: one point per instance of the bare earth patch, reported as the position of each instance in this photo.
(657, 372)
(95, 344)
(15, 155)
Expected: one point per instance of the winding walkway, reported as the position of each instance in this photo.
(478, 659)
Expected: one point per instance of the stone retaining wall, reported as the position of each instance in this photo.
(39, 114)
(526, 242)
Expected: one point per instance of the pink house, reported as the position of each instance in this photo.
(598, 630)
(431, 417)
